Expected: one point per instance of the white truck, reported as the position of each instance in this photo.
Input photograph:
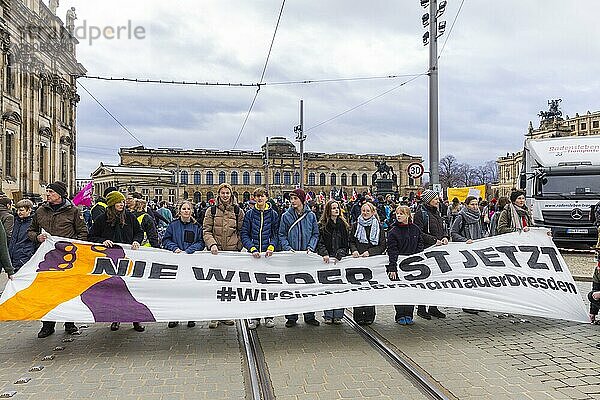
(561, 178)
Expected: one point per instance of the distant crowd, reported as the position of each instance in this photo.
(364, 226)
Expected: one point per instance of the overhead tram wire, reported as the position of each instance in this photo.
(365, 102)
(109, 113)
(451, 27)
(262, 76)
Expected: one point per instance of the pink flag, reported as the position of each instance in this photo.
(84, 197)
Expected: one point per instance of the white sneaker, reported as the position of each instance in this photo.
(252, 324)
(269, 323)
(213, 324)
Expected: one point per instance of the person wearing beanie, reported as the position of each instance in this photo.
(117, 225)
(299, 231)
(59, 217)
(515, 216)
(429, 219)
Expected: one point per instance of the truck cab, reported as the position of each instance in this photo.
(561, 179)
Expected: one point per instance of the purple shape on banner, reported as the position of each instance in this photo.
(111, 301)
(54, 260)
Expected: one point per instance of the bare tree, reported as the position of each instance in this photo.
(449, 171)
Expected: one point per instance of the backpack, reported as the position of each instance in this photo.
(236, 210)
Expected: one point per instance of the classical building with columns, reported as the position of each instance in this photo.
(551, 125)
(196, 174)
(38, 98)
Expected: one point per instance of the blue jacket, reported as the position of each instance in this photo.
(186, 237)
(20, 247)
(302, 236)
(260, 229)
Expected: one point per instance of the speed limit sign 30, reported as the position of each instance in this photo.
(415, 170)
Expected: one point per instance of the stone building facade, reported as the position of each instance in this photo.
(38, 99)
(509, 166)
(196, 174)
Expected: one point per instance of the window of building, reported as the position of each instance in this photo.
(321, 179)
(354, 180)
(146, 194)
(172, 176)
(197, 177)
(333, 179)
(287, 178)
(43, 161)
(234, 178)
(296, 178)
(9, 153)
(572, 127)
(221, 177)
(583, 126)
(311, 179)
(246, 178)
(197, 197)
(344, 180)
(158, 195)
(209, 178)
(184, 177)
(9, 73)
(364, 180)
(277, 178)
(595, 124)
(64, 166)
(64, 117)
(44, 99)
(257, 178)
(411, 181)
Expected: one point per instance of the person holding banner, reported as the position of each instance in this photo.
(515, 216)
(117, 225)
(20, 247)
(429, 220)
(594, 295)
(367, 238)
(259, 235)
(403, 239)
(333, 246)
(57, 216)
(299, 231)
(183, 235)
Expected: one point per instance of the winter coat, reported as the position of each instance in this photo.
(21, 248)
(99, 208)
(333, 239)
(185, 236)
(462, 230)
(260, 230)
(65, 221)
(595, 288)
(4, 257)
(149, 227)
(8, 219)
(303, 235)
(127, 234)
(505, 222)
(403, 240)
(432, 226)
(223, 229)
(374, 250)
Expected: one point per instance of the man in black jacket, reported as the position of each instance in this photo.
(430, 221)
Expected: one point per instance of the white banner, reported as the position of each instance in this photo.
(68, 280)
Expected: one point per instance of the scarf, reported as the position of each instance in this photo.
(472, 223)
(361, 233)
(518, 215)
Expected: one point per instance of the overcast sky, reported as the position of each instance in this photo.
(501, 63)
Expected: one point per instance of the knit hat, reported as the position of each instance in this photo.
(300, 194)
(114, 197)
(516, 193)
(108, 190)
(59, 187)
(428, 195)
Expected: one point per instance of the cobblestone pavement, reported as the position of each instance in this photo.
(473, 357)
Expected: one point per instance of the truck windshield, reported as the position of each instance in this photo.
(568, 185)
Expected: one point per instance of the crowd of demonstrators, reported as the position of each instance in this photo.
(262, 226)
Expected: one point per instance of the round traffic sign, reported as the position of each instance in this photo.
(415, 170)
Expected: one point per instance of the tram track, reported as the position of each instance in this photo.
(258, 383)
(415, 374)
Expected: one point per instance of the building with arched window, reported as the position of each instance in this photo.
(39, 100)
(323, 172)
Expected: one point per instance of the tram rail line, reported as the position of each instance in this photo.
(415, 374)
(258, 383)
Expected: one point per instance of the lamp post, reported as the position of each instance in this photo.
(300, 137)
(436, 29)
